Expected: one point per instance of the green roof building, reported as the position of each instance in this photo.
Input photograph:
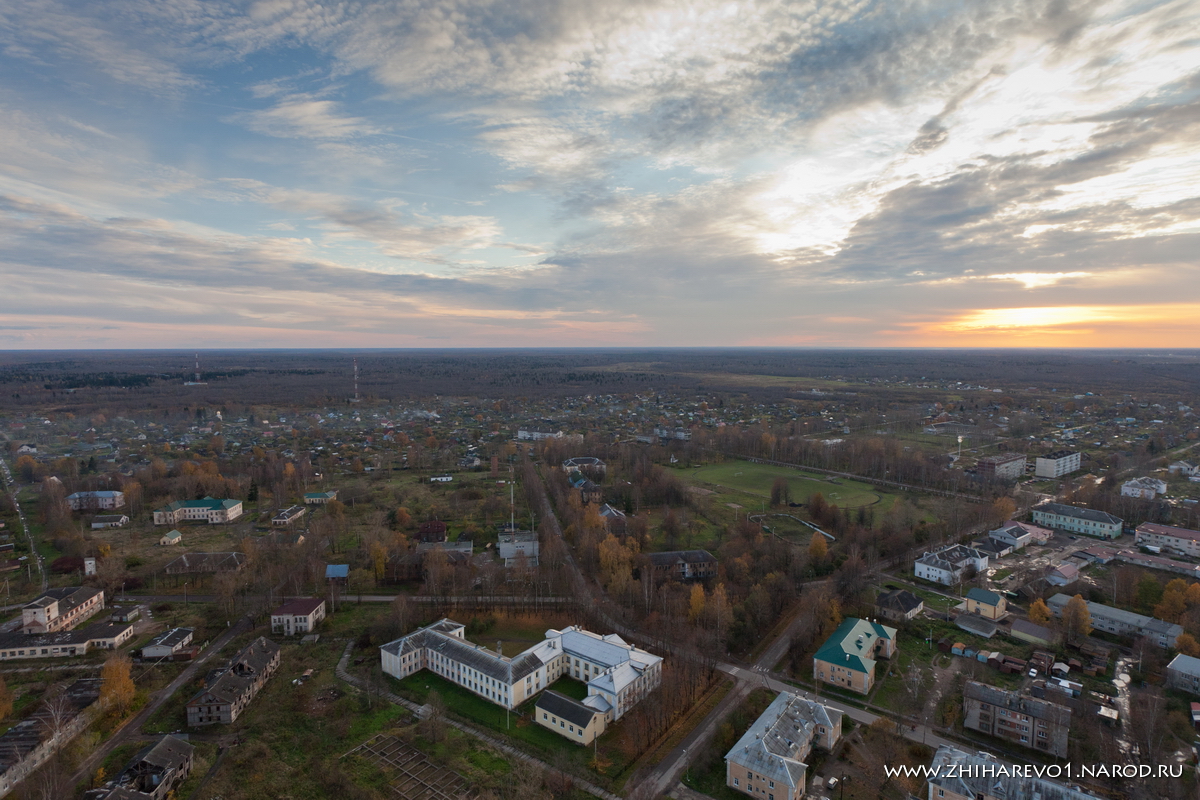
(847, 658)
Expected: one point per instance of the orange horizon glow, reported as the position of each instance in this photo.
(1153, 326)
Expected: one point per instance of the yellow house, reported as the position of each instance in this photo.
(847, 659)
(569, 718)
(986, 604)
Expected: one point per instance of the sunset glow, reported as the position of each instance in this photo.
(678, 172)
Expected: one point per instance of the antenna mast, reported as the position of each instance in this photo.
(355, 381)
(197, 367)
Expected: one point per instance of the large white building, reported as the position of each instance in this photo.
(1057, 464)
(538, 431)
(617, 674)
(1087, 521)
(949, 565)
(1145, 488)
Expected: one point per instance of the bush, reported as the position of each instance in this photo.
(65, 565)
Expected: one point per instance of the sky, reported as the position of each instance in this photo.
(474, 173)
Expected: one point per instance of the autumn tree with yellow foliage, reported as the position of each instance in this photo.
(116, 683)
(1039, 612)
(1076, 619)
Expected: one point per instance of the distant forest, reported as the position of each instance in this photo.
(83, 379)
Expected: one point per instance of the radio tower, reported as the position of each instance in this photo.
(355, 400)
(196, 382)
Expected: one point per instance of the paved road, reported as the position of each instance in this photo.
(659, 779)
(132, 727)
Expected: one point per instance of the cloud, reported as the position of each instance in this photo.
(300, 116)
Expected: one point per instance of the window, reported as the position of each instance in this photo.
(736, 782)
(545, 715)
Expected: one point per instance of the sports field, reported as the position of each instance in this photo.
(756, 479)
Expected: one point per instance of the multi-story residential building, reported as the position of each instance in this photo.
(847, 658)
(1122, 623)
(153, 774)
(96, 501)
(1145, 488)
(1183, 673)
(227, 696)
(586, 464)
(208, 510)
(1002, 467)
(950, 565)
(959, 775)
(1027, 721)
(1057, 464)
(61, 609)
(618, 675)
(1168, 537)
(769, 760)
(298, 616)
(684, 565)
(1078, 520)
(537, 431)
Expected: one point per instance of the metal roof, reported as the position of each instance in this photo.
(983, 775)
(170, 638)
(1185, 664)
(1038, 709)
(1128, 618)
(778, 741)
(565, 708)
(1090, 514)
(983, 596)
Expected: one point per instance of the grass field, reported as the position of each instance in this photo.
(755, 479)
(539, 741)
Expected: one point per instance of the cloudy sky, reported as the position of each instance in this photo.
(434, 173)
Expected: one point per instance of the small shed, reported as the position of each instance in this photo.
(170, 538)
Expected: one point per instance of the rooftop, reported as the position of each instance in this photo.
(1089, 514)
(777, 741)
(853, 644)
(300, 607)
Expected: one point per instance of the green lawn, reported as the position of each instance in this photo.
(756, 480)
(518, 724)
